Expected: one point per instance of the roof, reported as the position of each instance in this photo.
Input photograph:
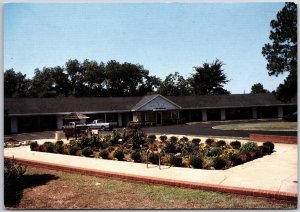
(88, 105)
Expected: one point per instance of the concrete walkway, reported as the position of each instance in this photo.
(274, 173)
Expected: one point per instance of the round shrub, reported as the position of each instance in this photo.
(236, 159)
(136, 156)
(270, 146)
(34, 146)
(170, 148)
(219, 163)
(153, 158)
(87, 151)
(49, 146)
(104, 154)
(210, 142)
(119, 154)
(110, 149)
(263, 149)
(184, 138)
(163, 137)
(73, 150)
(58, 148)
(196, 141)
(235, 144)
(176, 161)
(196, 162)
(152, 137)
(248, 147)
(220, 143)
(215, 151)
(60, 143)
(173, 139)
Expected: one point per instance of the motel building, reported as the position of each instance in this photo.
(42, 114)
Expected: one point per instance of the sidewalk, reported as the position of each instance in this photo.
(274, 175)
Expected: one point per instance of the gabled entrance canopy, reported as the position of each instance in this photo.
(155, 103)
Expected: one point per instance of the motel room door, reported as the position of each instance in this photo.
(159, 117)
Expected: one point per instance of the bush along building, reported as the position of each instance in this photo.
(40, 114)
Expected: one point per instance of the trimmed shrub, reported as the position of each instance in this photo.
(215, 151)
(263, 149)
(248, 147)
(170, 148)
(110, 149)
(60, 143)
(269, 146)
(136, 156)
(196, 141)
(119, 154)
(173, 139)
(87, 151)
(34, 146)
(163, 137)
(235, 144)
(106, 144)
(210, 142)
(104, 154)
(220, 143)
(152, 137)
(236, 159)
(176, 161)
(58, 148)
(184, 138)
(73, 150)
(49, 146)
(219, 163)
(196, 162)
(153, 158)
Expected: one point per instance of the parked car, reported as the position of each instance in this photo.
(79, 126)
(102, 125)
(290, 117)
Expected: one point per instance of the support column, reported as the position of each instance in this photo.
(280, 112)
(59, 122)
(204, 115)
(254, 113)
(14, 124)
(223, 114)
(119, 119)
(105, 117)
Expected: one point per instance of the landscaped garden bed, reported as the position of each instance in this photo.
(133, 144)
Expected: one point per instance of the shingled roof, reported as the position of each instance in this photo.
(19, 106)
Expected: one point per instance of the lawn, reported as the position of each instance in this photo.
(50, 189)
(261, 126)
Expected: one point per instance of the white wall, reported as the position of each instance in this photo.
(158, 102)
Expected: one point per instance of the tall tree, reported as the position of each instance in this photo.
(15, 84)
(174, 85)
(281, 54)
(258, 88)
(209, 79)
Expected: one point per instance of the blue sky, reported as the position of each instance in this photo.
(164, 38)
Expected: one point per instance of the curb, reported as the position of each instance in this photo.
(161, 181)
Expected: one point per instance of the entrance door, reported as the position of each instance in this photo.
(158, 117)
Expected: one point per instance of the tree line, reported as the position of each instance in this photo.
(93, 79)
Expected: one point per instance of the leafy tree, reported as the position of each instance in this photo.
(209, 79)
(258, 88)
(281, 54)
(174, 85)
(15, 84)
(75, 74)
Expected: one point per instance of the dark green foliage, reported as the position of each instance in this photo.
(173, 139)
(153, 158)
(219, 163)
(136, 156)
(119, 154)
(184, 139)
(87, 151)
(110, 148)
(170, 148)
(215, 151)
(263, 149)
(106, 144)
(104, 154)
(152, 137)
(248, 147)
(236, 159)
(49, 146)
(196, 162)
(210, 142)
(58, 148)
(235, 144)
(163, 137)
(258, 88)
(73, 150)
(196, 141)
(220, 143)
(270, 146)
(60, 143)
(34, 146)
(176, 161)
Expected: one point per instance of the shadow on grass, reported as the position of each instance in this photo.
(14, 194)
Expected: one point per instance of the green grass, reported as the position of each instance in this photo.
(74, 191)
(261, 126)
